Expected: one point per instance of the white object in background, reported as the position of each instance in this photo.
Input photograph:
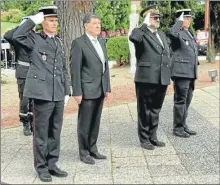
(134, 18)
(5, 45)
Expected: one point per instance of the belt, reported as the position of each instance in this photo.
(23, 63)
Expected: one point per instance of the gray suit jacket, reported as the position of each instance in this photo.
(153, 61)
(47, 78)
(185, 54)
(86, 69)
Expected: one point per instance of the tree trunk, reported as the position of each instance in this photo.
(70, 15)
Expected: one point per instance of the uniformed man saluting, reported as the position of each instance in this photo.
(22, 65)
(152, 75)
(184, 70)
(48, 85)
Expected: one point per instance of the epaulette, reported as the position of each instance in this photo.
(139, 26)
(42, 34)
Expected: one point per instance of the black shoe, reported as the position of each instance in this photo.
(147, 145)
(157, 143)
(181, 134)
(58, 172)
(98, 156)
(87, 159)
(26, 130)
(45, 177)
(190, 132)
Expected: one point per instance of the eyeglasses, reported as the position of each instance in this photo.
(155, 18)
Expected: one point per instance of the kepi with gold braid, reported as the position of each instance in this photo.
(152, 9)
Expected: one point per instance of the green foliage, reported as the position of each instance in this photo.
(103, 9)
(121, 11)
(15, 15)
(25, 8)
(12, 15)
(114, 14)
(118, 49)
(5, 16)
(32, 9)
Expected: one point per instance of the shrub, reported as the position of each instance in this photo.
(16, 18)
(3, 80)
(118, 49)
(5, 16)
(12, 15)
(15, 15)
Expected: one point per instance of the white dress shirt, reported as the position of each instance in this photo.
(98, 49)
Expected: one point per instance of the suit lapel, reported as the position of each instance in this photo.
(103, 48)
(91, 47)
(189, 39)
(163, 39)
(154, 37)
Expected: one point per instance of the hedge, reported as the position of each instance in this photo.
(118, 49)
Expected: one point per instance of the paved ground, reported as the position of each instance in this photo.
(122, 85)
(193, 160)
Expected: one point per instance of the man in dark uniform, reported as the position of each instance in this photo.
(22, 65)
(48, 85)
(183, 70)
(91, 85)
(152, 75)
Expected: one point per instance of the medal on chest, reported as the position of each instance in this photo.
(44, 57)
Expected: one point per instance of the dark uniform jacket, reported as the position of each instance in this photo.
(20, 54)
(185, 54)
(153, 61)
(86, 69)
(47, 78)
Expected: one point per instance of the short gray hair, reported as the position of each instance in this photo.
(87, 18)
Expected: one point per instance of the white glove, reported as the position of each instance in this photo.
(38, 18)
(147, 19)
(181, 18)
(22, 22)
(66, 99)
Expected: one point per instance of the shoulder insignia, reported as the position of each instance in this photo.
(139, 26)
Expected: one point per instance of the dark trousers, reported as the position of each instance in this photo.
(150, 99)
(183, 93)
(25, 104)
(23, 100)
(89, 116)
(47, 124)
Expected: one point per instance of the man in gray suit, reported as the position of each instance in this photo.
(48, 85)
(91, 84)
(152, 75)
(22, 65)
(184, 70)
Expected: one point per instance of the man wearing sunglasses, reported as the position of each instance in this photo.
(152, 75)
(183, 70)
